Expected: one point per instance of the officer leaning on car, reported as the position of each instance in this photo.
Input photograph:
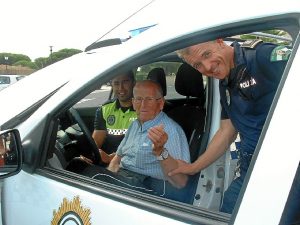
(249, 75)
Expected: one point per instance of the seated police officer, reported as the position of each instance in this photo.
(113, 118)
(146, 154)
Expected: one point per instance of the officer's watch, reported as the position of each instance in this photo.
(163, 155)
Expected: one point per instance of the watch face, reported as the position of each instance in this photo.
(165, 154)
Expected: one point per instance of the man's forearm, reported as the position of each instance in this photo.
(170, 164)
(114, 164)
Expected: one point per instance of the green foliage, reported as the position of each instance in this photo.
(25, 63)
(12, 58)
(23, 60)
(41, 62)
(62, 54)
(268, 39)
(170, 68)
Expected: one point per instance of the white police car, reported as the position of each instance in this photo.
(40, 138)
(6, 80)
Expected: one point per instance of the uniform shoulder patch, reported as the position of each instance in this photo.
(251, 43)
(280, 53)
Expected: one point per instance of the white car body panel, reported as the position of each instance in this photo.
(48, 198)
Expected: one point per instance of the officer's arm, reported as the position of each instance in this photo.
(100, 132)
(217, 147)
(99, 137)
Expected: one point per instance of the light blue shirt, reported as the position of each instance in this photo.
(136, 148)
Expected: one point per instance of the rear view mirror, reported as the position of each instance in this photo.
(10, 153)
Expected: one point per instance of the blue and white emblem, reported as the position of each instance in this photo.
(227, 96)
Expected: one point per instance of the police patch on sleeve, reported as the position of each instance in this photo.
(280, 53)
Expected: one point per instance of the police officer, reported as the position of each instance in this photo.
(113, 118)
(249, 76)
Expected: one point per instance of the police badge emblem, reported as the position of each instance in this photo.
(111, 119)
(280, 53)
(71, 212)
(228, 97)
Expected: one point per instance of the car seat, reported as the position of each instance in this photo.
(191, 115)
(158, 74)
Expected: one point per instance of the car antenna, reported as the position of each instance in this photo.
(94, 44)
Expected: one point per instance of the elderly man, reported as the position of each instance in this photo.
(146, 155)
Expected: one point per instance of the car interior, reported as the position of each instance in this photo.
(184, 89)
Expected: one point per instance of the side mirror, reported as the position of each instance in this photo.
(10, 153)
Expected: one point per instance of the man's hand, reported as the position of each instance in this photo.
(158, 137)
(183, 168)
(114, 164)
(87, 160)
(106, 158)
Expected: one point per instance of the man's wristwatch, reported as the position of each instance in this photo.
(163, 155)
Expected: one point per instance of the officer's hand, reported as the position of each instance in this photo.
(106, 158)
(183, 168)
(87, 160)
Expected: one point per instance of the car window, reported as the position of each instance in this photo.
(170, 70)
(4, 80)
(19, 77)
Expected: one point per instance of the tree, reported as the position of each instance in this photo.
(25, 63)
(41, 62)
(12, 58)
(62, 54)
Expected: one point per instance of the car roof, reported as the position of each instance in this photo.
(184, 17)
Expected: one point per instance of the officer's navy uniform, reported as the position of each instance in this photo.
(246, 96)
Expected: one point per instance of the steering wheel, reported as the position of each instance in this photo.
(92, 145)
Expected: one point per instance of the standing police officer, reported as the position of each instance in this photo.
(249, 76)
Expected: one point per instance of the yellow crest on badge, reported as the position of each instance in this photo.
(71, 211)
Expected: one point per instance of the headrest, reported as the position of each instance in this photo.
(158, 75)
(189, 81)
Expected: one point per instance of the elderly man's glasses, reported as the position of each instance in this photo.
(146, 100)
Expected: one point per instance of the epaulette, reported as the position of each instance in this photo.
(251, 43)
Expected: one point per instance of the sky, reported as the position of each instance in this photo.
(30, 27)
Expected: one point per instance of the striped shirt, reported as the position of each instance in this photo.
(136, 148)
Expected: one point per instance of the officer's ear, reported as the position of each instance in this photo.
(220, 41)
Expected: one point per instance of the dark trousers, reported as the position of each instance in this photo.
(135, 181)
(232, 193)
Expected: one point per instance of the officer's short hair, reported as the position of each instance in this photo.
(130, 75)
